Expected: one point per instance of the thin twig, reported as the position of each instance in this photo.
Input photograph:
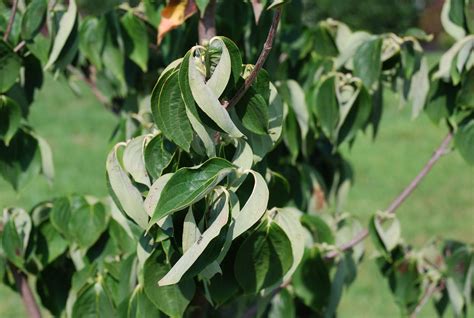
(24, 289)
(98, 94)
(19, 46)
(207, 23)
(426, 296)
(440, 151)
(267, 46)
(10, 22)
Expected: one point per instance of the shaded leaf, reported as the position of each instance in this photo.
(10, 64)
(136, 44)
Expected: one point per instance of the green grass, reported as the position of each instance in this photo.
(78, 129)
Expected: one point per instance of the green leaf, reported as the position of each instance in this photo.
(452, 18)
(60, 215)
(203, 132)
(49, 243)
(253, 112)
(16, 235)
(464, 141)
(66, 26)
(10, 116)
(288, 220)
(47, 165)
(298, 103)
(189, 185)
(311, 281)
(91, 219)
(367, 62)
(319, 229)
(466, 94)
(389, 232)
(191, 255)
(152, 199)
(327, 110)
(140, 305)
(134, 160)
(277, 3)
(10, 64)
(282, 305)
(206, 98)
(235, 58)
(33, 18)
(125, 195)
(21, 160)
(97, 8)
(91, 39)
(169, 111)
(136, 39)
(95, 301)
(53, 284)
(159, 153)
(263, 258)
(253, 209)
(172, 300)
(202, 4)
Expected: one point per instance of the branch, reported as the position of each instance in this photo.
(10, 22)
(426, 296)
(207, 23)
(27, 296)
(267, 46)
(98, 94)
(400, 198)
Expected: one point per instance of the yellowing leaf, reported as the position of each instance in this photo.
(173, 15)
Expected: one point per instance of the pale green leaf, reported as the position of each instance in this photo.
(208, 101)
(368, 63)
(134, 160)
(126, 196)
(197, 248)
(66, 26)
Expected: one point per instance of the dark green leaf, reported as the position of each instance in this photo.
(172, 300)
(49, 243)
(21, 160)
(10, 64)
(319, 229)
(93, 302)
(169, 112)
(189, 185)
(311, 280)
(158, 155)
(13, 244)
(464, 141)
(263, 258)
(140, 306)
(91, 39)
(10, 116)
(466, 94)
(91, 219)
(33, 18)
(253, 112)
(367, 62)
(53, 284)
(327, 110)
(136, 40)
(235, 58)
(97, 8)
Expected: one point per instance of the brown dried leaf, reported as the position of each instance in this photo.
(173, 15)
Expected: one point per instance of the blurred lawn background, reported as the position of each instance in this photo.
(78, 129)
